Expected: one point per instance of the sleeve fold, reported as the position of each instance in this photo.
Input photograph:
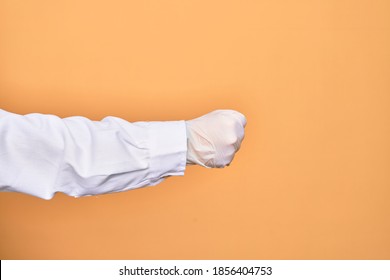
(44, 154)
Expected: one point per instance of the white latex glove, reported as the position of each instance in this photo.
(214, 138)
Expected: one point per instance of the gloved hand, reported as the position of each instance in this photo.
(214, 138)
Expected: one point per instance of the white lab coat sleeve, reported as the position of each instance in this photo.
(41, 154)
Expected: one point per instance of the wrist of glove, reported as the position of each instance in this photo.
(214, 139)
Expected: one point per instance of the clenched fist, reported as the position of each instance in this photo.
(213, 139)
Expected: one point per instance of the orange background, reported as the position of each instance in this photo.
(311, 180)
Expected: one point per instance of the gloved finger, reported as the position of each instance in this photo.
(237, 115)
(240, 117)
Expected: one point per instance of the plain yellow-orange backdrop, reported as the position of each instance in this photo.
(312, 179)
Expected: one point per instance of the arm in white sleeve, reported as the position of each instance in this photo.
(44, 154)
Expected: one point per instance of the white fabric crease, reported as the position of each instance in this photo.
(41, 154)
